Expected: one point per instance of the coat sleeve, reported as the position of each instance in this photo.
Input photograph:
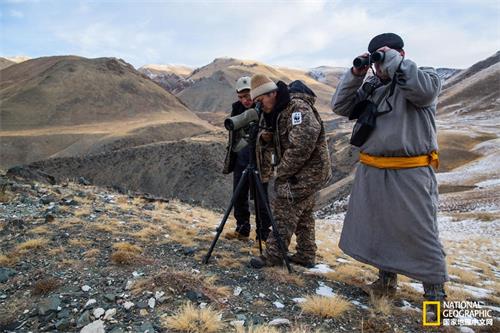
(263, 155)
(421, 86)
(347, 94)
(302, 138)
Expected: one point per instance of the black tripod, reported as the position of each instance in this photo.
(252, 175)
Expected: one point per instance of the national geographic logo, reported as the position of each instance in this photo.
(457, 313)
(434, 307)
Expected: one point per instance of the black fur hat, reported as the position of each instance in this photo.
(388, 39)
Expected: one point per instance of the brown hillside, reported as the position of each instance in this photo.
(476, 93)
(71, 90)
(172, 78)
(468, 118)
(213, 89)
(182, 71)
(472, 70)
(188, 169)
(71, 106)
(4, 63)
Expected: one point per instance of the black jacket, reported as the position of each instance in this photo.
(230, 160)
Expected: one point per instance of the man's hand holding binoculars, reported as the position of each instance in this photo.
(361, 71)
(362, 63)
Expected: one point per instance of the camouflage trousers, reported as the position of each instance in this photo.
(293, 218)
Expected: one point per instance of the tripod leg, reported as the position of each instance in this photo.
(243, 179)
(261, 193)
(256, 205)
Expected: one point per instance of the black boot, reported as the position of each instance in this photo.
(434, 291)
(307, 263)
(385, 285)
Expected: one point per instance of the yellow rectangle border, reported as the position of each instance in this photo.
(424, 313)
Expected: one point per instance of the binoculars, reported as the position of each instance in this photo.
(376, 56)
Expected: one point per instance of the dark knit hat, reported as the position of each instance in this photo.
(388, 39)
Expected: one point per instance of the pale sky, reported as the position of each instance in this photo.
(302, 34)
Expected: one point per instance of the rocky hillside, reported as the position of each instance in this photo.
(188, 169)
(447, 73)
(79, 258)
(70, 106)
(4, 63)
(71, 90)
(171, 78)
(473, 91)
(213, 88)
(328, 75)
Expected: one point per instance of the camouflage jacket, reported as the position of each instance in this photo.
(299, 145)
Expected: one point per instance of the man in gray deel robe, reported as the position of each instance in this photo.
(391, 218)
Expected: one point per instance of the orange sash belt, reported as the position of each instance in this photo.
(383, 162)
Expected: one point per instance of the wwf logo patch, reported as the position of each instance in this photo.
(296, 118)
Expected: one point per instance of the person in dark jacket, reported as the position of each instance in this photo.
(237, 159)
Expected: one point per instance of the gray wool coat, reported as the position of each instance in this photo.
(391, 218)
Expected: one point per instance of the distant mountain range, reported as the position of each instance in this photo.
(146, 129)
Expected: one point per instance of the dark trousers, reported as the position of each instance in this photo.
(241, 207)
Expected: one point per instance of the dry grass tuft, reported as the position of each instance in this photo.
(69, 262)
(221, 291)
(79, 242)
(281, 275)
(45, 286)
(82, 212)
(5, 194)
(350, 274)
(146, 233)
(326, 307)
(127, 247)
(105, 227)
(8, 260)
(465, 276)
(380, 305)
(484, 268)
(124, 258)
(226, 260)
(126, 253)
(41, 229)
(193, 320)
(32, 244)
(4, 260)
(458, 294)
(56, 251)
(406, 291)
(92, 253)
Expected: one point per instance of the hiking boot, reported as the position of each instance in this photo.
(264, 235)
(301, 261)
(434, 292)
(235, 235)
(386, 285)
(261, 262)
